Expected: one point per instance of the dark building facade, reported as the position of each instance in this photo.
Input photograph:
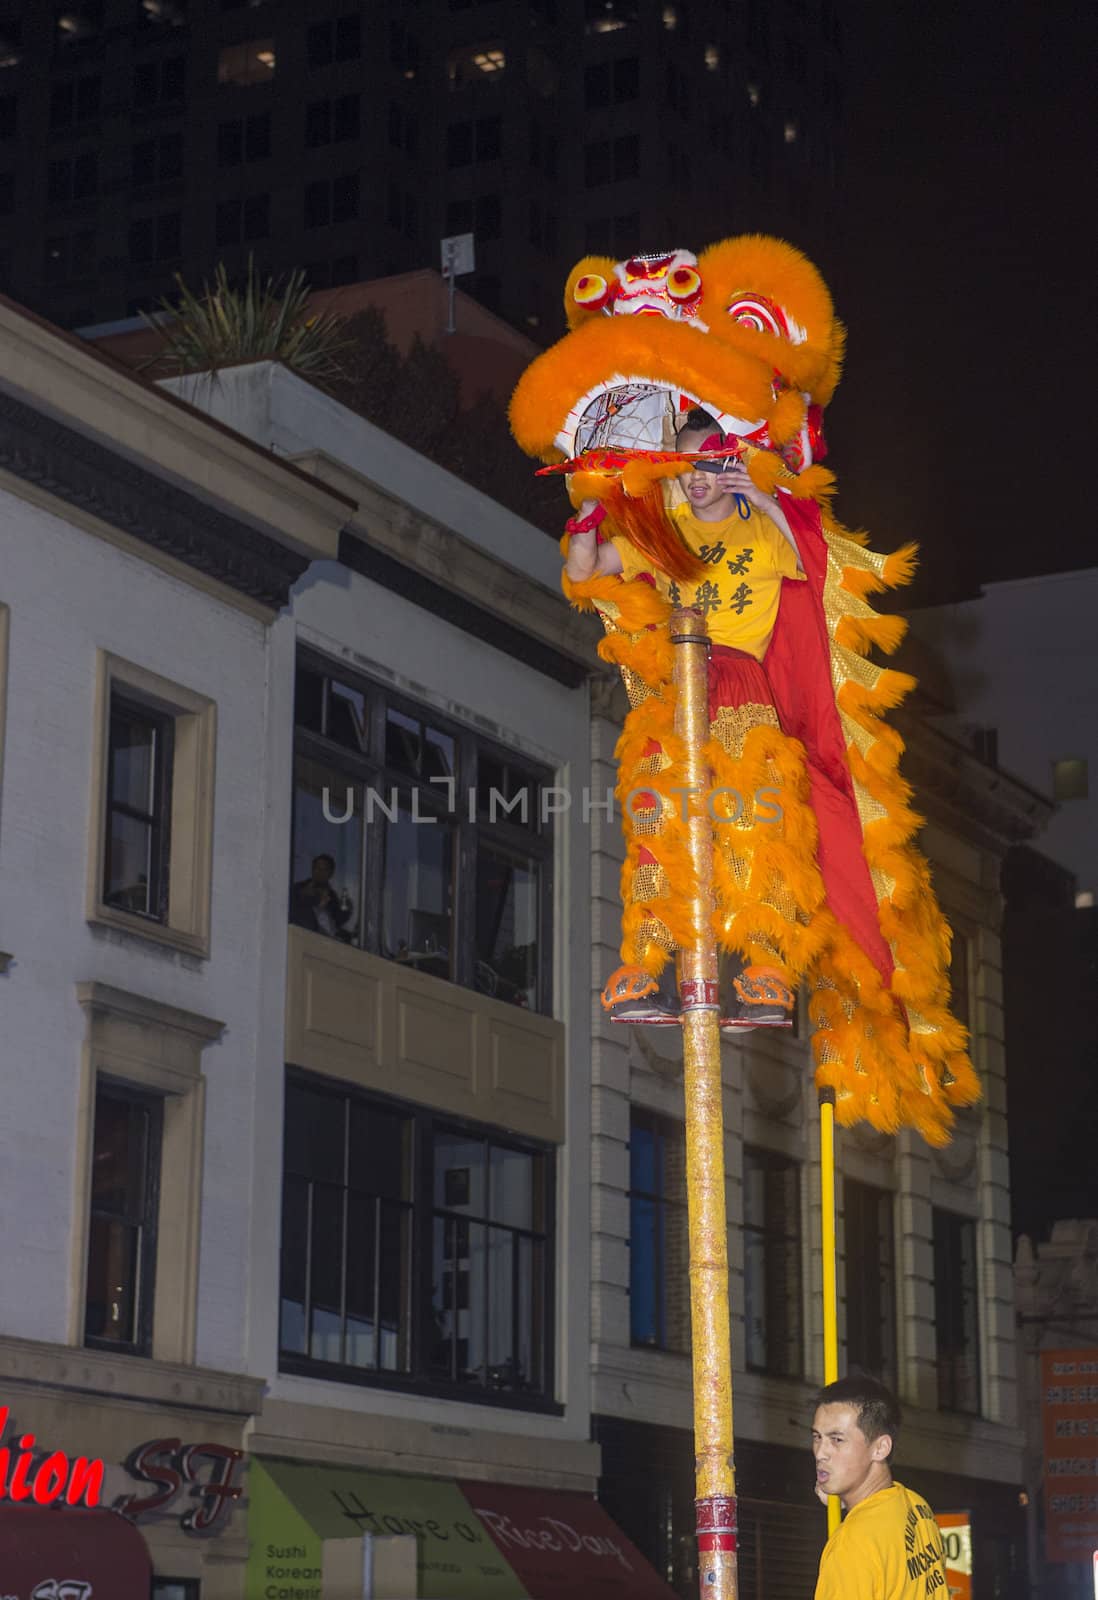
(140, 138)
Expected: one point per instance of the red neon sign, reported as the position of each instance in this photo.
(43, 1480)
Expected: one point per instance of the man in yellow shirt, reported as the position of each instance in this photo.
(888, 1546)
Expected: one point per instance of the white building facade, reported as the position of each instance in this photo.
(301, 1179)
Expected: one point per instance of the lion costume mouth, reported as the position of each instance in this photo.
(637, 413)
(747, 332)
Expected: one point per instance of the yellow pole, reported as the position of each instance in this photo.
(830, 1290)
(715, 1476)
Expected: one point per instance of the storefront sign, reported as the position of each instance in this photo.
(206, 1471)
(956, 1529)
(1069, 1408)
(26, 1474)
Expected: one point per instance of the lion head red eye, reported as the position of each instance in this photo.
(683, 283)
(591, 291)
(762, 316)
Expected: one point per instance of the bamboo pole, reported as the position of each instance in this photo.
(830, 1290)
(715, 1476)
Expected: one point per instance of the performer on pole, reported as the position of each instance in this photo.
(816, 882)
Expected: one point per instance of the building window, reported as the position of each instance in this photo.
(158, 83)
(70, 256)
(158, 160)
(414, 1250)
(153, 798)
(475, 64)
(154, 239)
(611, 160)
(77, 22)
(470, 143)
(11, 43)
(610, 83)
(241, 221)
(9, 116)
(163, 13)
(139, 790)
(419, 841)
(248, 63)
(608, 16)
(331, 121)
(244, 139)
(960, 982)
(870, 1280)
(403, 211)
(331, 200)
(1070, 779)
(337, 40)
(73, 178)
(403, 129)
(122, 1220)
(176, 1589)
(659, 1267)
(403, 50)
(956, 1316)
(482, 217)
(772, 1263)
(543, 150)
(74, 101)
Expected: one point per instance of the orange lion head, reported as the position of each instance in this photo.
(747, 331)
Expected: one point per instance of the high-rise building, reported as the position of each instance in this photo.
(141, 138)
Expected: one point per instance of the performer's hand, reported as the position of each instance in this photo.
(737, 480)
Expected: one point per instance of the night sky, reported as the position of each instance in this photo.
(965, 269)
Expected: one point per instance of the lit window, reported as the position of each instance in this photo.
(712, 57)
(473, 63)
(1084, 900)
(490, 60)
(752, 94)
(790, 133)
(670, 18)
(1069, 779)
(247, 63)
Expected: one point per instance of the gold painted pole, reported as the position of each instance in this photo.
(830, 1290)
(714, 1467)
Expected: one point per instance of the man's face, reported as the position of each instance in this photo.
(322, 870)
(847, 1464)
(700, 487)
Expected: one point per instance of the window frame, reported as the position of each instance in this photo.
(186, 925)
(152, 1106)
(664, 1128)
(425, 1123)
(774, 1160)
(159, 818)
(945, 1281)
(370, 769)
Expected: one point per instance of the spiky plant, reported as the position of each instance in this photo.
(264, 319)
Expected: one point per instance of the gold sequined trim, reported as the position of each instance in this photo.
(732, 724)
(653, 931)
(650, 882)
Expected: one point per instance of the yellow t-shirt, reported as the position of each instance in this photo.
(749, 557)
(887, 1548)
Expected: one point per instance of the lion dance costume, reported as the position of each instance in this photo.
(817, 882)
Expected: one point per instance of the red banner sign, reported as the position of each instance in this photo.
(1069, 1408)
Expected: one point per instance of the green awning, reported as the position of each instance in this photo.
(294, 1506)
